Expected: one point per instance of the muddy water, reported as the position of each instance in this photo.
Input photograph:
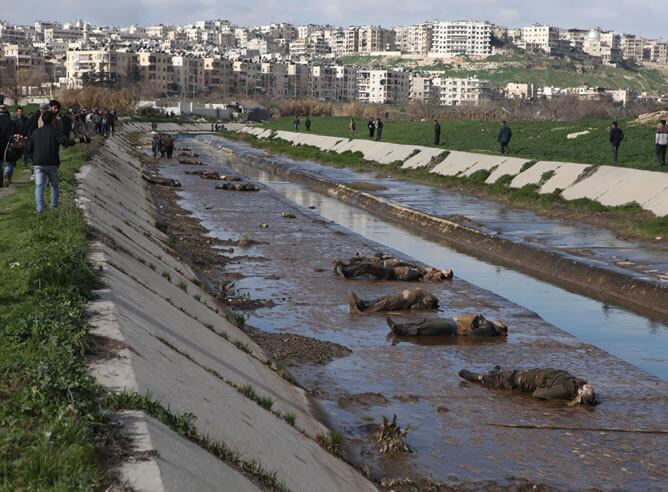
(634, 338)
(455, 434)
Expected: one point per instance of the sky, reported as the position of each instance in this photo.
(644, 17)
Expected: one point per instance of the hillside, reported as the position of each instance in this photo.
(537, 69)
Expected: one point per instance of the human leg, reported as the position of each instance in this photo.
(52, 174)
(40, 178)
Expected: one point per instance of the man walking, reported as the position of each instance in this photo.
(351, 127)
(307, 124)
(505, 134)
(379, 129)
(296, 123)
(371, 125)
(44, 145)
(616, 137)
(661, 143)
(437, 133)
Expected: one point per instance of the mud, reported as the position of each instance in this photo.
(361, 399)
(461, 448)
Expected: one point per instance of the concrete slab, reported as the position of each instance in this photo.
(534, 174)
(565, 175)
(638, 186)
(484, 162)
(509, 167)
(455, 163)
(171, 462)
(423, 158)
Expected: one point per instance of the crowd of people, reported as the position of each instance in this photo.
(37, 137)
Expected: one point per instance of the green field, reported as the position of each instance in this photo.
(535, 140)
(537, 69)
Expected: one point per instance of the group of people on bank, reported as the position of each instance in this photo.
(37, 138)
(541, 383)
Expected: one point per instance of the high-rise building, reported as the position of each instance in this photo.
(461, 38)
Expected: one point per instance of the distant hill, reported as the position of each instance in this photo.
(537, 69)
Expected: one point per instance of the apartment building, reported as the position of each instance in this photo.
(52, 34)
(656, 52)
(462, 91)
(461, 38)
(346, 83)
(372, 39)
(383, 86)
(543, 38)
(245, 78)
(26, 56)
(604, 45)
(7, 71)
(12, 35)
(416, 39)
(313, 46)
(112, 65)
(352, 40)
(188, 75)
(218, 75)
(322, 83)
(632, 47)
(156, 72)
(298, 79)
(522, 91)
(420, 88)
(274, 79)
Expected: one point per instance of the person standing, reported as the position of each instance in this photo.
(371, 125)
(437, 133)
(44, 145)
(616, 137)
(351, 127)
(296, 123)
(505, 134)
(379, 129)
(21, 127)
(7, 131)
(661, 141)
(307, 124)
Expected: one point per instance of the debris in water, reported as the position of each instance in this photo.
(392, 437)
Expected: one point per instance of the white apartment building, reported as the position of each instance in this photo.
(462, 91)
(26, 56)
(12, 35)
(604, 45)
(346, 83)
(420, 88)
(372, 39)
(543, 38)
(461, 38)
(516, 90)
(188, 75)
(383, 86)
(415, 39)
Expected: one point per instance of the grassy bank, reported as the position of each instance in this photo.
(628, 221)
(52, 421)
(536, 140)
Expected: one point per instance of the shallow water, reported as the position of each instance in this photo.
(455, 436)
(632, 337)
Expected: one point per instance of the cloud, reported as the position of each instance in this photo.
(640, 17)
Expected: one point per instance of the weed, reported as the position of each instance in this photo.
(167, 275)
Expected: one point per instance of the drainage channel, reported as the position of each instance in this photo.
(629, 336)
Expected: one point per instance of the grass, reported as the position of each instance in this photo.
(537, 68)
(537, 140)
(53, 421)
(627, 220)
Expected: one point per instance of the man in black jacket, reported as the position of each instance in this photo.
(437, 133)
(44, 145)
(6, 133)
(616, 137)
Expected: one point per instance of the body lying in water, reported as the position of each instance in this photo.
(384, 267)
(544, 384)
(408, 299)
(472, 325)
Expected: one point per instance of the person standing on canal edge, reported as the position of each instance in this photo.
(371, 125)
(661, 143)
(616, 137)
(437, 133)
(296, 123)
(307, 124)
(351, 127)
(505, 134)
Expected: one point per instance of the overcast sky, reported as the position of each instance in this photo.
(649, 18)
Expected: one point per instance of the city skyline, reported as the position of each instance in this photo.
(515, 13)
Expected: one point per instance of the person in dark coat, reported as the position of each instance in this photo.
(616, 137)
(44, 145)
(20, 121)
(296, 123)
(371, 125)
(437, 133)
(470, 325)
(307, 124)
(379, 129)
(7, 131)
(505, 134)
(544, 384)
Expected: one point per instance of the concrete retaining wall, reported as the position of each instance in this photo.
(608, 185)
(167, 339)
